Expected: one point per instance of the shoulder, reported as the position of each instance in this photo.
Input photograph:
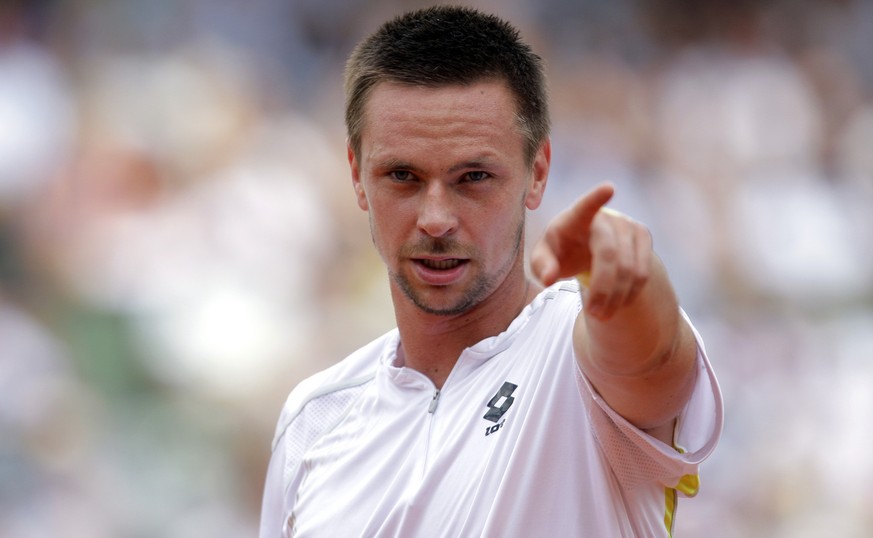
(555, 306)
(330, 389)
(561, 294)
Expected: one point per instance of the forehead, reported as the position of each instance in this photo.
(401, 114)
(493, 92)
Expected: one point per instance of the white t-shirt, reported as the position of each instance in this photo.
(515, 444)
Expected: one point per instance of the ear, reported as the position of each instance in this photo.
(356, 179)
(539, 175)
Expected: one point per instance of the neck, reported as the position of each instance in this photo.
(432, 343)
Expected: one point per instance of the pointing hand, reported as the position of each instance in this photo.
(609, 252)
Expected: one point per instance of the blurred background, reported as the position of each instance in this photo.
(179, 242)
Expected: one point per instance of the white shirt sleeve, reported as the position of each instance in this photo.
(637, 457)
(272, 508)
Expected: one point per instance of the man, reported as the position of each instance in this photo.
(496, 407)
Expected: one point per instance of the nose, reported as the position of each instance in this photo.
(436, 214)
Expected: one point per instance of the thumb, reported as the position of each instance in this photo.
(543, 264)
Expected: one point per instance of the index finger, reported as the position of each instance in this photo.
(583, 212)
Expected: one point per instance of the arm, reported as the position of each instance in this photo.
(630, 340)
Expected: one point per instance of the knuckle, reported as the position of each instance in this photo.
(608, 253)
(625, 272)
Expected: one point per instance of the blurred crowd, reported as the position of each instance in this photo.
(179, 242)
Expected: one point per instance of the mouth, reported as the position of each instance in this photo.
(440, 271)
(441, 264)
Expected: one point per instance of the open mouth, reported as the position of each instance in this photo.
(441, 265)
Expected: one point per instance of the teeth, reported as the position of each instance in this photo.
(441, 264)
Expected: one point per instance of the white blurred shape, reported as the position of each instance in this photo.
(793, 238)
(228, 340)
(34, 376)
(37, 119)
(720, 113)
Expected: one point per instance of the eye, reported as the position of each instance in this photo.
(476, 176)
(401, 175)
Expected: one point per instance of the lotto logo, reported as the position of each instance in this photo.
(493, 429)
(504, 397)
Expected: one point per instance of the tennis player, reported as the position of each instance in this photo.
(574, 402)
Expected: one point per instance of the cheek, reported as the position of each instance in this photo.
(385, 225)
(501, 231)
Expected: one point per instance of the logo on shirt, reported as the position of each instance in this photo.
(495, 412)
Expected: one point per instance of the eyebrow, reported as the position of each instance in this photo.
(477, 163)
(483, 161)
(396, 164)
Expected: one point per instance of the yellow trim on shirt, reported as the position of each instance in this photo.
(689, 485)
(670, 512)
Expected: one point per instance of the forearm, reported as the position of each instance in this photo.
(641, 359)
